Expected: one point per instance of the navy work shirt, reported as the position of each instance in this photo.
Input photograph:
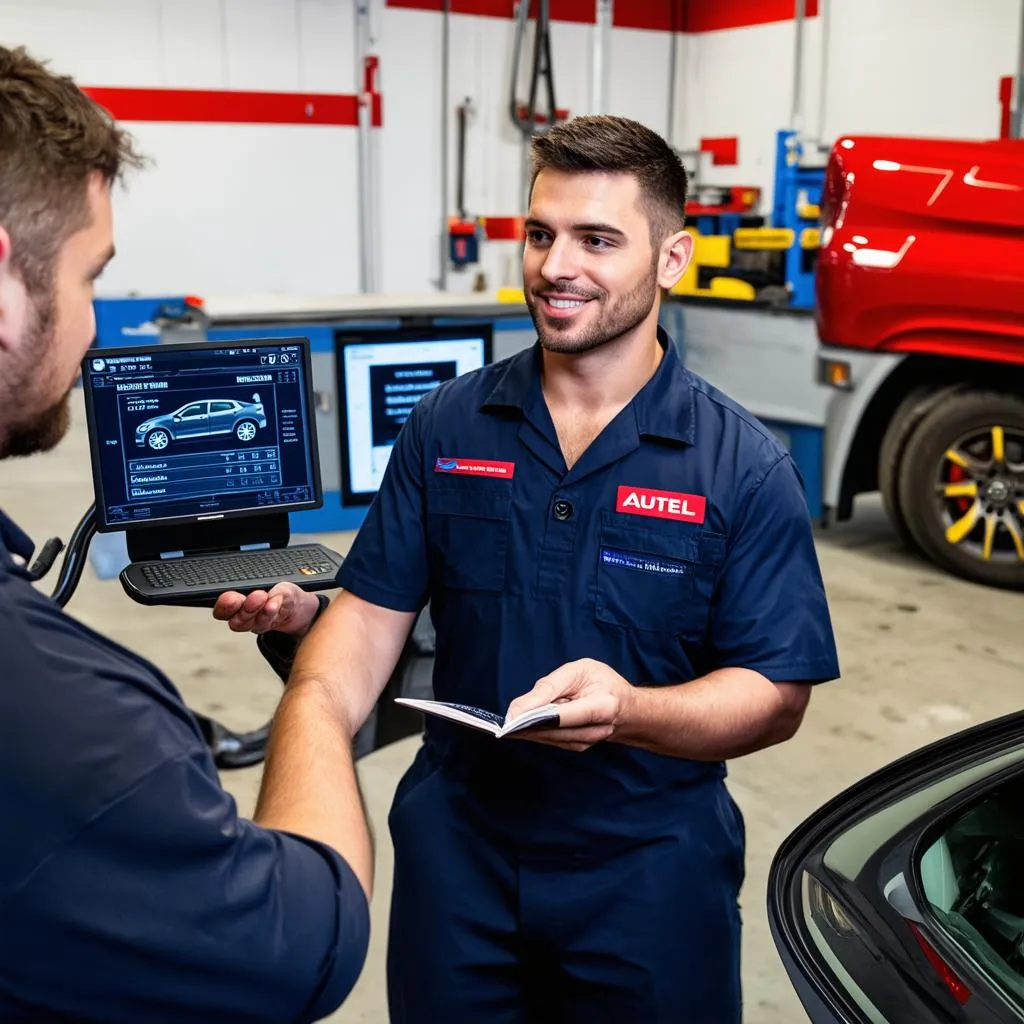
(678, 543)
(130, 890)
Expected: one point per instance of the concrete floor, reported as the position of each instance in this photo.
(922, 656)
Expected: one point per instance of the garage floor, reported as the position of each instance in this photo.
(922, 655)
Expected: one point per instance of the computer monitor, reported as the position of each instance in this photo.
(183, 435)
(382, 374)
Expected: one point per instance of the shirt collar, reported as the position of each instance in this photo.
(515, 385)
(663, 406)
(14, 541)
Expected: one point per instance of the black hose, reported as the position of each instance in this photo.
(460, 167)
(542, 69)
(74, 557)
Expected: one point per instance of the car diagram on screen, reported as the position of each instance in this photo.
(206, 418)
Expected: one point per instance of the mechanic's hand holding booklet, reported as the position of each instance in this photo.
(478, 718)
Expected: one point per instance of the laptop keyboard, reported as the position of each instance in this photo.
(240, 567)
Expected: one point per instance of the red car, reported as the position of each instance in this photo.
(920, 314)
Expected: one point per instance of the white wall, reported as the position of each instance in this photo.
(260, 208)
(223, 208)
(481, 69)
(917, 67)
(923, 67)
(408, 151)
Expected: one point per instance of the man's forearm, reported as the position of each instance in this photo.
(725, 714)
(353, 649)
(309, 783)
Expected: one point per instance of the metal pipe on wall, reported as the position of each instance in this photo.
(524, 116)
(823, 14)
(367, 182)
(602, 39)
(796, 117)
(442, 278)
(673, 42)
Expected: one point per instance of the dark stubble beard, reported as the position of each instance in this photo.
(619, 318)
(36, 431)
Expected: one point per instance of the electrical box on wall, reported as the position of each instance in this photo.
(463, 243)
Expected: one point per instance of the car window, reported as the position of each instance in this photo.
(196, 409)
(222, 407)
(972, 876)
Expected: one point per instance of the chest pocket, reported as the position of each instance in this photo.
(656, 578)
(467, 534)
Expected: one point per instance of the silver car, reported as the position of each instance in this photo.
(203, 419)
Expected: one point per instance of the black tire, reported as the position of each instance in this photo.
(908, 415)
(950, 419)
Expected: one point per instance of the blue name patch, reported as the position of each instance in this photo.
(644, 563)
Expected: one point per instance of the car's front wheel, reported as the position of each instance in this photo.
(158, 440)
(245, 431)
(890, 457)
(961, 486)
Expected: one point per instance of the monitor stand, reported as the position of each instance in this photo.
(244, 533)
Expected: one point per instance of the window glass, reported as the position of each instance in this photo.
(973, 877)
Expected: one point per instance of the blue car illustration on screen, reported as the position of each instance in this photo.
(207, 418)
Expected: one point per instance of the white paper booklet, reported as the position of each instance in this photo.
(488, 721)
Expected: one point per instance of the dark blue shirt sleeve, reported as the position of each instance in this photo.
(168, 907)
(387, 563)
(770, 612)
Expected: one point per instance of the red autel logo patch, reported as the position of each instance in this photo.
(642, 501)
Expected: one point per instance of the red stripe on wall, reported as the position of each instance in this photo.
(713, 15)
(561, 10)
(653, 15)
(211, 106)
(656, 15)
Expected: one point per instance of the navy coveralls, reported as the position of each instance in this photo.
(130, 891)
(533, 883)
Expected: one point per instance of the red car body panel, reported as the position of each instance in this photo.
(922, 247)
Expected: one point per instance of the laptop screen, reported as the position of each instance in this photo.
(193, 432)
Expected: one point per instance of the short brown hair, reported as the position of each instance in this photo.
(616, 145)
(52, 138)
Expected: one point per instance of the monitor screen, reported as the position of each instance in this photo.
(382, 374)
(189, 432)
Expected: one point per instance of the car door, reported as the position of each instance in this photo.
(901, 901)
(222, 416)
(193, 420)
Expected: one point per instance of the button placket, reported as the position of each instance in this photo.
(557, 552)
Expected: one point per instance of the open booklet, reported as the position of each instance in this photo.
(488, 721)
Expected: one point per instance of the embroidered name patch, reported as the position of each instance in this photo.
(641, 501)
(644, 563)
(475, 467)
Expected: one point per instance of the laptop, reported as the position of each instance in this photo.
(199, 453)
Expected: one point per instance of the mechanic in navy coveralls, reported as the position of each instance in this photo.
(131, 891)
(593, 524)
